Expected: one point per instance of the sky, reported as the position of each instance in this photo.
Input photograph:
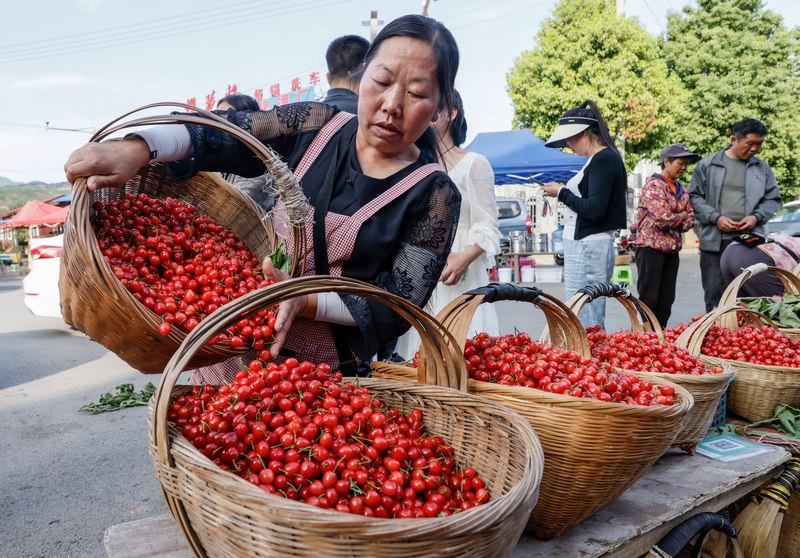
(78, 64)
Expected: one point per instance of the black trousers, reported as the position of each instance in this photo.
(657, 275)
(714, 283)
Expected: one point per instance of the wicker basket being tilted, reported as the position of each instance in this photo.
(95, 302)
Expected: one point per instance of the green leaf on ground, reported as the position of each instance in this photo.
(124, 398)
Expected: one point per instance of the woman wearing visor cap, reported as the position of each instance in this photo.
(664, 213)
(595, 200)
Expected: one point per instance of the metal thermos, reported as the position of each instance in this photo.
(517, 241)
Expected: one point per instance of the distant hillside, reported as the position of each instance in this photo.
(15, 194)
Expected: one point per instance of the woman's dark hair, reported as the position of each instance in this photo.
(440, 39)
(239, 101)
(458, 125)
(589, 109)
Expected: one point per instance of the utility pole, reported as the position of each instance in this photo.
(425, 4)
(373, 24)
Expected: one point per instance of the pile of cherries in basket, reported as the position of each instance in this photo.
(180, 264)
(517, 360)
(298, 430)
(763, 345)
(644, 352)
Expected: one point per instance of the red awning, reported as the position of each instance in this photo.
(37, 212)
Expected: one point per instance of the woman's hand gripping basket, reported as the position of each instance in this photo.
(706, 389)
(594, 450)
(223, 515)
(96, 302)
(791, 285)
(757, 388)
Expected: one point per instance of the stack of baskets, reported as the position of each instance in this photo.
(223, 515)
(593, 450)
(707, 390)
(758, 388)
(98, 304)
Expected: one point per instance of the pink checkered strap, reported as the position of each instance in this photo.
(320, 141)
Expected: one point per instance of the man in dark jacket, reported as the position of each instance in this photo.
(344, 57)
(731, 192)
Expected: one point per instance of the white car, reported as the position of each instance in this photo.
(41, 283)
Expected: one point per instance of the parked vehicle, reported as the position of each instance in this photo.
(786, 220)
(512, 215)
(41, 283)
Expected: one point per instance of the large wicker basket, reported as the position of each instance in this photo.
(593, 450)
(790, 281)
(706, 389)
(224, 516)
(757, 388)
(95, 302)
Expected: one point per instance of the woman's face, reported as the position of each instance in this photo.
(676, 168)
(579, 143)
(398, 96)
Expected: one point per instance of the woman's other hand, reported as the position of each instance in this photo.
(455, 268)
(107, 164)
(551, 189)
(304, 306)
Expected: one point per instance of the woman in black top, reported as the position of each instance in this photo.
(596, 202)
(391, 211)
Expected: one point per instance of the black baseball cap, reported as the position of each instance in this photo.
(675, 150)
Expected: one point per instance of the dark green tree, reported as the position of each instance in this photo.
(738, 60)
(585, 51)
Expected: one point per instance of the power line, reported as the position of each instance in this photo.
(217, 10)
(47, 126)
(85, 45)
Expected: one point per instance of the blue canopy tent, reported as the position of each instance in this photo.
(519, 157)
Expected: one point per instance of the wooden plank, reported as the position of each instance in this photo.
(676, 487)
(152, 537)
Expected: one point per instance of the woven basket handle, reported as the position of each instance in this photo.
(507, 291)
(640, 315)
(272, 161)
(442, 362)
(791, 283)
(568, 332)
(692, 338)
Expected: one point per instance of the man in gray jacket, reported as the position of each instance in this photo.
(731, 192)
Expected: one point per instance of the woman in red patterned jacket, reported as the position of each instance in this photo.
(664, 214)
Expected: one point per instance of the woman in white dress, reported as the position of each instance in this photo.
(477, 236)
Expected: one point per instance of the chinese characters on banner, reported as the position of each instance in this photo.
(296, 94)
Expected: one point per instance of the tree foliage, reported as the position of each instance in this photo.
(738, 60)
(585, 51)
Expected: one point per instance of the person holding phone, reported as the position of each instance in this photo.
(596, 204)
(732, 192)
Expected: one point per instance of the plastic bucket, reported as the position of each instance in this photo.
(526, 273)
(504, 274)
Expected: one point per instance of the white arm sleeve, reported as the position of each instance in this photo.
(331, 309)
(167, 143)
(483, 229)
